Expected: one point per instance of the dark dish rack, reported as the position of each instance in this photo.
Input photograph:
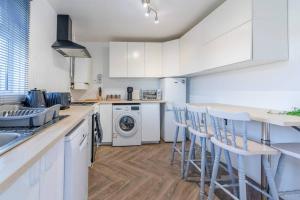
(18, 116)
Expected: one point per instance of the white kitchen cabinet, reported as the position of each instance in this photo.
(237, 34)
(106, 122)
(136, 59)
(26, 187)
(150, 123)
(170, 58)
(82, 75)
(52, 173)
(153, 59)
(43, 180)
(118, 59)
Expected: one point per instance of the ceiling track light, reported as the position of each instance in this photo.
(147, 13)
(146, 4)
(156, 21)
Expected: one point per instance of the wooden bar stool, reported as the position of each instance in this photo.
(181, 125)
(291, 150)
(227, 139)
(198, 128)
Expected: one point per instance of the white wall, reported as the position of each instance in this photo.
(274, 86)
(47, 69)
(100, 62)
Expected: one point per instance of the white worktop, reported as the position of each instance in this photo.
(256, 114)
(130, 102)
(19, 159)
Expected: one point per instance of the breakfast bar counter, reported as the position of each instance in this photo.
(264, 116)
(256, 114)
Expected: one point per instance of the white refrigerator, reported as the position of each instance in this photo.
(173, 91)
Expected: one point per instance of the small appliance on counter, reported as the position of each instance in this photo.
(129, 93)
(136, 95)
(151, 94)
(36, 99)
(62, 98)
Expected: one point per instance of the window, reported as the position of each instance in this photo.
(14, 40)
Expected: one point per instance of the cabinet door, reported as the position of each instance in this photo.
(150, 122)
(52, 173)
(153, 59)
(82, 75)
(118, 59)
(136, 59)
(170, 58)
(200, 47)
(106, 122)
(238, 45)
(26, 187)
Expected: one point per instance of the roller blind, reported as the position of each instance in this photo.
(14, 41)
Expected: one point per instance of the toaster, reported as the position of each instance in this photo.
(62, 98)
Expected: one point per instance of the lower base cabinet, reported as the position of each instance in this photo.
(43, 180)
(27, 187)
(106, 119)
(150, 122)
(52, 173)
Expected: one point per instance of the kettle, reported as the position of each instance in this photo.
(36, 99)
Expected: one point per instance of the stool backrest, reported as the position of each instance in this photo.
(179, 113)
(197, 118)
(224, 127)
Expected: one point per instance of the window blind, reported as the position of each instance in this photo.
(14, 41)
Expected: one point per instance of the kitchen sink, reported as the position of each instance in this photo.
(6, 138)
(11, 137)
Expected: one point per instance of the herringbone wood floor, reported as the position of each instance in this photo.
(138, 173)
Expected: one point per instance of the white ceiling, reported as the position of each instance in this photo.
(124, 20)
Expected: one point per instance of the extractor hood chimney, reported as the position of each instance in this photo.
(64, 44)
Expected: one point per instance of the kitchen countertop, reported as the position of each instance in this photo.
(16, 161)
(256, 114)
(122, 101)
(130, 102)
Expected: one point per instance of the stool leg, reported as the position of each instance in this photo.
(212, 151)
(193, 138)
(212, 155)
(242, 178)
(278, 169)
(230, 170)
(183, 152)
(174, 144)
(214, 174)
(207, 164)
(270, 178)
(203, 164)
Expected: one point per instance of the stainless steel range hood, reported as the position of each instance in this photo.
(64, 44)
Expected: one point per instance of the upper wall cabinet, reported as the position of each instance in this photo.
(153, 56)
(82, 75)
(118, 59)
(236, 34)
(136, 59)
(170, 58)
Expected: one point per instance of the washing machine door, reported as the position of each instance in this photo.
(126, 125)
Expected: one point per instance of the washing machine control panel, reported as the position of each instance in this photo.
(135, 108)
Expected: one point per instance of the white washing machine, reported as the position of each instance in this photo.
(127, 125)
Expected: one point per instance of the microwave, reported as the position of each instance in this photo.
(150, 94)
